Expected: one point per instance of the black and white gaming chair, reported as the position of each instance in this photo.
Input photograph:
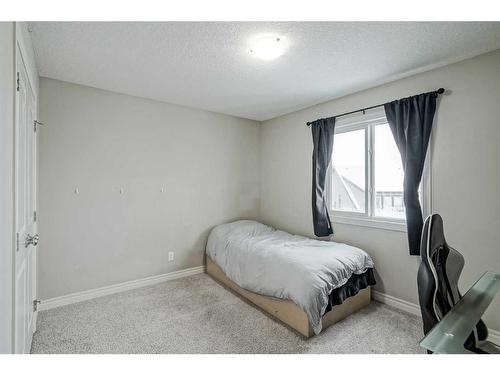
(437, 279)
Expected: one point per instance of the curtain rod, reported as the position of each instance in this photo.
(438, 91)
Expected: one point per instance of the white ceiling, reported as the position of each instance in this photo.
(207, 65)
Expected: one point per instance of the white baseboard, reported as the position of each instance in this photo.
(116, 288)
(494, 336)
(398, 303)
(414, 309)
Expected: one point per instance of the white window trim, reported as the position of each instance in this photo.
(358, 121)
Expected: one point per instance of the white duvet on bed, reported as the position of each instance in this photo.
(275, 263)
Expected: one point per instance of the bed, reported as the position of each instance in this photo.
(307, 284)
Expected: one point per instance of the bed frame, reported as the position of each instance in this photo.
(287, 311)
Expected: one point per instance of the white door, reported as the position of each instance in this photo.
(25, 211)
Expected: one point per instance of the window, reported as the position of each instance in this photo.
(366, 174)
(349, 179)
(389, 174)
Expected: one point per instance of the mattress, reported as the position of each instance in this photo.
(314, 274)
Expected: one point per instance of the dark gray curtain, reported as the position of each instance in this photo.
(322, 134)
(410, 120)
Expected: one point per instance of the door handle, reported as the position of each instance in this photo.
(31, 240)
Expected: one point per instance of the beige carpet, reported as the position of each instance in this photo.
(197, 315)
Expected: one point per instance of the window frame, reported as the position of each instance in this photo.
(368, 120)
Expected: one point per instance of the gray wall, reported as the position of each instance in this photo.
(465, 173)
(7, 180)
(99, 141)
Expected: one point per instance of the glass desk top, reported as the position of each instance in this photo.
(450, 334)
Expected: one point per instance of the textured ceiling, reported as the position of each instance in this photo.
(207, 65)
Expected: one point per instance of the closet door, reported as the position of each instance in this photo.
(25, 212)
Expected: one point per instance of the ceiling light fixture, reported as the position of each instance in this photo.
(268, 46)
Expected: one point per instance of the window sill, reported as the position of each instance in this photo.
(379, 223)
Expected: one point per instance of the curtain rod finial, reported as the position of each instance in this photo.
(440, 90)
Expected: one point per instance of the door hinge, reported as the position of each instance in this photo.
(36, 302)
(17, 241)
(34, 216)
(17, 81)
(35, 123)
